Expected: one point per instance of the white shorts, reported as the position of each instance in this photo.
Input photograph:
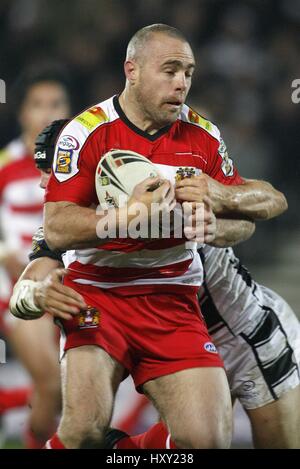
(263, 361)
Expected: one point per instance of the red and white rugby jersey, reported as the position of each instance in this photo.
(190, 143)
(21, 203)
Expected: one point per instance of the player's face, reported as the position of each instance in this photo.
(44, 103)
(164, 78)
(45, 176)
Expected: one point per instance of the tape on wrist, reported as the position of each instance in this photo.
(22, 303)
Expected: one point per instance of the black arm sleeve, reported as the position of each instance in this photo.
(41, 249)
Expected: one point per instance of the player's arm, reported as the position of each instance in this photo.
(256, 200)
(231, 195)
(39, 289)
(230, 232)
(70, 226)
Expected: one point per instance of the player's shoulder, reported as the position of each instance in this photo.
(79, 129)
(190, 116)
(77, 135)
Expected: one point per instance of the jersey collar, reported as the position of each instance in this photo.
(136, 129)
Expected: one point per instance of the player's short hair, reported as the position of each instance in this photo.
(139, 39)
(39, 73)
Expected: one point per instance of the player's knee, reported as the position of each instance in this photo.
(202, 441)
(92, 436)
(82, 433)
(207, 436)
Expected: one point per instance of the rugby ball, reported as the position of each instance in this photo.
(117, 173)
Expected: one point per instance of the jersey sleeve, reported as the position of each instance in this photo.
(40, 248)
(221, 166)
(74, 166)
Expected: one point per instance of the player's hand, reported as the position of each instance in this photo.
(152, 196)
(195, 188)
(57, 299)
(200, 221)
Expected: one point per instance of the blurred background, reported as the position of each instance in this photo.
(247, 54)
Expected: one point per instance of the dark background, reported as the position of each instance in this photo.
(247, 56)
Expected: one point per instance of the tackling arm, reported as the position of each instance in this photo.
(231, 232)
(40, 290)
(257, 200)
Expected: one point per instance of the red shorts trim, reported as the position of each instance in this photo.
(151, 335)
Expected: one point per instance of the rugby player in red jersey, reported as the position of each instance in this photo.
(143, 315)
(272, 396)
(41, 96)
(150, 120)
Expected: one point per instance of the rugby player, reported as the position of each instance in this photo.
(149, 117)
(41, 96)
(263, 369)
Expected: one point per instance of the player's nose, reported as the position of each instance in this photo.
(181, 82)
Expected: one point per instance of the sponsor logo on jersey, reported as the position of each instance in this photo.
(210, 347)
(227, 163)
(92, 117)
(195, 118)
(68, 142)
(63, 161)
(89, 318)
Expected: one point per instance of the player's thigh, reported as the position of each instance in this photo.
(196, 405)
(36, 345)
(90, 378)
(277, 425)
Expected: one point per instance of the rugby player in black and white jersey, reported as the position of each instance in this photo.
(256, 332)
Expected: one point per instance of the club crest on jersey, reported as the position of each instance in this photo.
(92, 117)
(186, 172)
(63, 161)
(89, 318)
(210, 347)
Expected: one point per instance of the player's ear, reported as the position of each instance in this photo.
(131, 70)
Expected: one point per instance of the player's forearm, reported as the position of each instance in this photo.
(231, 232)
(257, 200)
(39, 268)
(69, 226)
